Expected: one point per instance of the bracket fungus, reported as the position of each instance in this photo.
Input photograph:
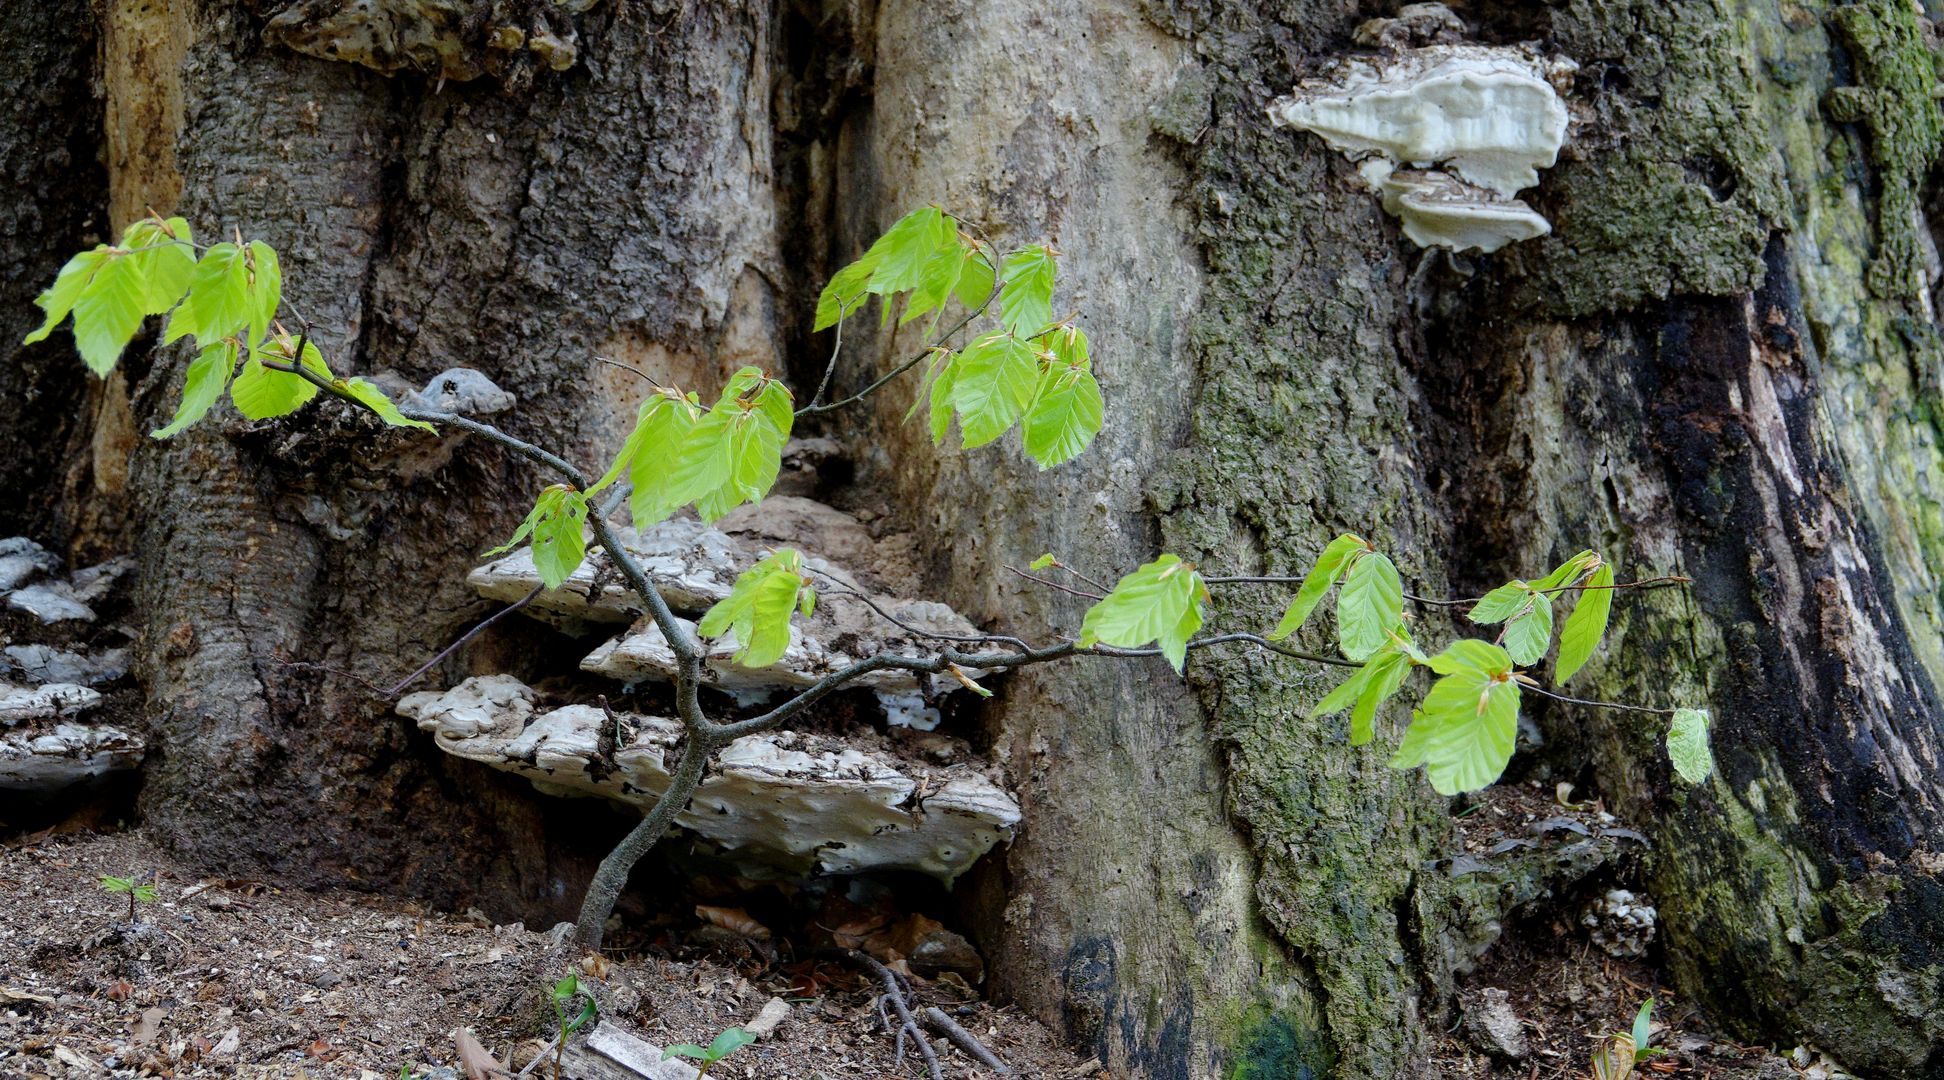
(784, 800)
(1447, 135)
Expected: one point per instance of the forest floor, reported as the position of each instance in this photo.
(241, 978)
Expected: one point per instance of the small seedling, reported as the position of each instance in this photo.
(564, 993)
(727, 1043)
(1619, 1053)
(143, 892)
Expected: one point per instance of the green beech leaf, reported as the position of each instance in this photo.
(1501, 603)
(262, 393)
(940, 406)
(1528, 636)
(559, 537)
(975, 281)
(59, 298)
(1586, 625)
(1160, 602)
(757, 609)
(1329, 567)
(263, 289)
(1026, 297)
(940, 280)
(993, 382)
(1384, 682)
(1042, 562)
(1464, 731)
(218, 304)
(109, 311)
(1568, 570)
(371, 397)
(1369, 606)
(703, 463)
(1687, 745)
(1065, 416)
(209, 375)
(844, 293)
(661, 430)
(167, 260)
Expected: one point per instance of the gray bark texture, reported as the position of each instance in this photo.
(1722, 363)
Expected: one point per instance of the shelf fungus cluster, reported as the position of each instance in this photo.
(1447, 135)
(47, 743)
(785, 800)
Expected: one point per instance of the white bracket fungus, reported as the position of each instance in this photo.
(1447, 135)
(782, 799)
(70, 753)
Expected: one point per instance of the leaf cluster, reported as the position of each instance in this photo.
(1029, 371)
(138, 890)
(758, 608)
(226, 299)
(1463, 730)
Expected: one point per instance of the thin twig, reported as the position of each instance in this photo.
(1055, 585)
(836, 348)
(636, 372)
(936, 1019)
(1590, 703)
(1667, 581)
(895, 992)
(496, 616)
(813, 408)
(837, 588)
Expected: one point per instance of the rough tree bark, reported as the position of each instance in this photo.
(1723, 362)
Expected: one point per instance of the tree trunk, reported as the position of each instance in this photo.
(1723, 363)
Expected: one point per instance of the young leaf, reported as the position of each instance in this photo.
(218, 304)
(730, 1041)
(59, 298)
(1391, 668)
(109, 311)
(1162, 601)
(261, 393)
(703, 463)
(757, 609)
(1643, 1026)
(1329, 567)
(209, 376)
(1528, 636)
(117, 884)
(900, 257)
(661, 430)
(263, 289)
(559, 539)
(1687, 745)
(1464, 732)
(1042, 562)
(367, 394)
(1065, 416)
(1567, 570)
(687, 1050)
(1370, 605)
(941, 278)
(845, 291)
(162, 251)
(1026, 298)
(942, 389)
(993, 382)
(1586, 625)
(1501, 603)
